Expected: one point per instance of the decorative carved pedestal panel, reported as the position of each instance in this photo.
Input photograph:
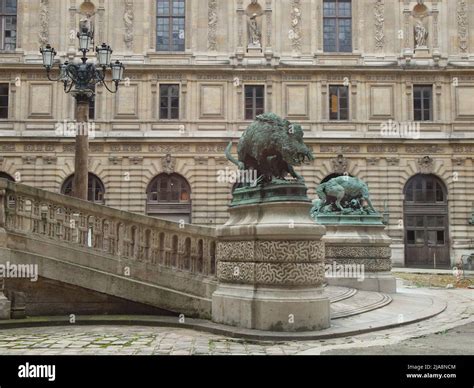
(359, 241)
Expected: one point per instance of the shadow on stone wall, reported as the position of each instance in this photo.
(53, 298)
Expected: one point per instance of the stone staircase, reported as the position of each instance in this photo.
(127, 255)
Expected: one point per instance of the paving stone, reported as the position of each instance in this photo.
(97, 340)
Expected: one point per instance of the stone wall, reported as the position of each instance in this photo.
(48, 297)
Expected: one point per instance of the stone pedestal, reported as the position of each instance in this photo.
(254, 56)
(422, 52)
(253, 49)
(270, 263)
(361, 242)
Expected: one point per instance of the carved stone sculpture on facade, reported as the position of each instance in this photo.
(128, 18)
(379, 13)
(463, 23)
(255, 35)
(212, 25)
(86, 24)
(168, 164)
(421, 35)
(295, 31)
(44, 22)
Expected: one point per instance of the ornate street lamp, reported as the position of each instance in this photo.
(80, 80)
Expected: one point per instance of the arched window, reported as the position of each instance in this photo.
(169, 198)
(95, 189)
(425, 188)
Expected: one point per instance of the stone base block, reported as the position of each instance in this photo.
(5, 307)
(379, 282)
(271, 309)
(360, 246)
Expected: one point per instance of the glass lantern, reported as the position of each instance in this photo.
(117, 71)
(84, 40)
(48, 56)
(63, 75)
(104, 54)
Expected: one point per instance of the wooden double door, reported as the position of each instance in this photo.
(426, 223)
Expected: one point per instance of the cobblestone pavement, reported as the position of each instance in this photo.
(133, 340)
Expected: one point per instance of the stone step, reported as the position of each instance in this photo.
(359, 303)
(336, 294)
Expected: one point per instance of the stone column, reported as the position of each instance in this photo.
(270, 266)
(81, 157)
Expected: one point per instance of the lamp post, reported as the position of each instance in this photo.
(79, 79)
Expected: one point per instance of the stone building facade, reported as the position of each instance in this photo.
(383, 88)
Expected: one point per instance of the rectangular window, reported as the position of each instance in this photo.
(420, 237)
(423, 102)
(169, 102)
(8, 14)
(440, 237)
(170, 25)
(337, 25)
(4, 89)
(254, 101)
(338, 102)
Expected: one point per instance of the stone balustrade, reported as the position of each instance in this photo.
(122, 235)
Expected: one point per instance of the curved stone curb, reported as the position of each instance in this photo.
(415, 309)
(382, 301)
(337, 294)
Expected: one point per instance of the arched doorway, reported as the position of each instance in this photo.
(426, 222)
(169, 198)
(95, 189)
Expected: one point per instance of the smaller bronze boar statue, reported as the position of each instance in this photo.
(347, 190)
(272, 146)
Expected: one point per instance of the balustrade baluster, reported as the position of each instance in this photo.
(48, 217)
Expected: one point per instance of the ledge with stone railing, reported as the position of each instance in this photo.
(110, 232)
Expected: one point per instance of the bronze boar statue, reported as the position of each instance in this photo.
(272, 146)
